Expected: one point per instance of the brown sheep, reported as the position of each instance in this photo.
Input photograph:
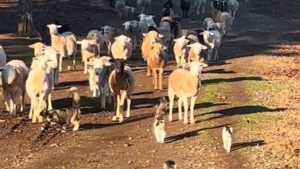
(157, 60)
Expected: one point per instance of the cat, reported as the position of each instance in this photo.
(159, 125)
(227, 138)
(170, 165)
(65, 116)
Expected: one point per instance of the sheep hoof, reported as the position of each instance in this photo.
(121, 118)
(185, 122)
(192, 121)
(170, 119)
(69, 68)
(114, 118)
(148, 75)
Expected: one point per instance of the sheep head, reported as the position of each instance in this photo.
(100, 63)
(208, 38)
(107, 29)
(53, 28)
(123, 40)
(37, 48)
(9, 73)
(120, 65)
(197, 47)
(181, 40)
(196, 67)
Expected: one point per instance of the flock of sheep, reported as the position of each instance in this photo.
(111, 76)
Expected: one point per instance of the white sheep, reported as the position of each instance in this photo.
(213, 40)
(233, 6)
(95, 34)
(103, 67)
(119, 6)
(65, 44)
(3, 59)
(194, 53)
(89, 49)
(129, 11)
(38, 87)
(132, 30)
(200, 4)
(108, 33)
(208, 23)
(185, 84)
(180, 50)
(41, 50)
(225, 20)
(14, 75)
(144, 5)
(122, 47)
(93, 82)
(148, 19)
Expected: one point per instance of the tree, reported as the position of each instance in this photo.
(25, 26)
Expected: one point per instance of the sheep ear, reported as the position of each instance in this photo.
(204, 47)
(100, 32)
(191, 45)
(107, 63)
(156, 106)
(144, 34)
(201, 33)
(31, 46)
(204, 65)
(186, 41)
(164, 47)
(78, 42)
(58, 26)
(175, 40)
(231, 129)
(48, 25)
(152, 16)
(160, 35)
(211, 33)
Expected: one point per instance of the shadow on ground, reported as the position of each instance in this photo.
(190, 134)
(237, 146)
(242, 110)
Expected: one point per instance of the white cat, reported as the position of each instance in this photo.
(159, 125)
(160, 130)
(227, 138)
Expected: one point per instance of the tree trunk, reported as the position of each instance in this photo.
(25, 26)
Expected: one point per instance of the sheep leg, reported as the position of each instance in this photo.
(157, 135)
(34, 109)
(171, 96)
(148, 71)
(7, 106)
(121, 105)
(161, 72)
(198, 8)
(11, 105)
(177, 58)
(216, 57)
(185, 104)
(109, 47)
(182, 61)
(155, 78)
(233, 15)
(134, 42)
(60, 63)
(85, 67)
(22, 101)
(203, 8)
(128, 107)
(103, 98)
(180, 109)
(193, 100)
(49, 102)
(116, 106)
(31, 109)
